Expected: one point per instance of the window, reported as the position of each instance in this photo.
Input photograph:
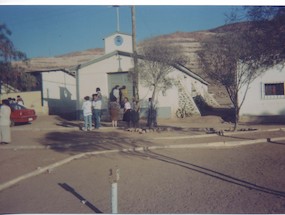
(276, 89)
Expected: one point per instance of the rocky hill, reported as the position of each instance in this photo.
(190, 44)
(188, 41)
(63, 61)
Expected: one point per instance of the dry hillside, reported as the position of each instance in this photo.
(188, 41)
(65, 61)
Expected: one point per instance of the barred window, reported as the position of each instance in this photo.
(276, 89)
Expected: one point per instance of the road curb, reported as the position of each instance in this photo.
(215, 135)
(49, 168)
(57, 128)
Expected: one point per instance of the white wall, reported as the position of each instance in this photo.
(95, 75)
(256, 103)
(171, 98)
(32, 100)
(59, 91)
(52, 81)
(126, 46)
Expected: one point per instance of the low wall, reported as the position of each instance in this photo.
(32, 100)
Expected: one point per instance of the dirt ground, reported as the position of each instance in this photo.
(44, 154)
(50, 139)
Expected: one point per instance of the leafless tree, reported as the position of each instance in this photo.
(221, 59)
(265, 29)
(157, 61)
(236, 56)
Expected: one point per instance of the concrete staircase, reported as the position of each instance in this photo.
(186, 101)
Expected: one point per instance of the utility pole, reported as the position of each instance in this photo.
(118, 17)
(135, 72)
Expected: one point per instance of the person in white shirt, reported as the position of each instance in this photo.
(5, 130)
(127, 112)
(87, 113)
(97, 106)
(20, 101)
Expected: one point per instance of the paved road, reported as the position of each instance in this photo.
(154, 179)
(247, 179)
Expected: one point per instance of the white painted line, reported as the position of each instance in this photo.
(134, 149)
(48, 168)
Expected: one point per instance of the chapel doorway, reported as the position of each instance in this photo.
(121, 79)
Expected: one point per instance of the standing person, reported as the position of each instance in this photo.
(151, 116)
(116, 93)
(20, 101)
(123, 95)
(127, 112)
(114, 109)
(93, 109)
(97, 105)
(5, 130)
(98, 91)
(135, 116)
(87, 113)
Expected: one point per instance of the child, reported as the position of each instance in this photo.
(87, 113)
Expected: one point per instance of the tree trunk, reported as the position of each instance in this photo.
(236, 118)
(152, 112)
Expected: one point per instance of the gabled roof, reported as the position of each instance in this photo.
(71, 70)
(179, 67)
(101, 58)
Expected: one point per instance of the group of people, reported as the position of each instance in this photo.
(131, 112)
(119, 94)
(92, 110)
(118, 101)
(19, 100)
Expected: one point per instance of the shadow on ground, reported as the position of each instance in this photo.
(78, 141)
(208, 172)
(78, 196)
(226, 114)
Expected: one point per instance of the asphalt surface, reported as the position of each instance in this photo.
(52, 166)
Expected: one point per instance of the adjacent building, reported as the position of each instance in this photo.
(265, 98)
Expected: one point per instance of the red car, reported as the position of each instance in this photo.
(21, 114)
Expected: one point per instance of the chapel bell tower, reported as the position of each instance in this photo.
(118, 42)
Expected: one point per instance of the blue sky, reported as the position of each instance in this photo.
(45, 31)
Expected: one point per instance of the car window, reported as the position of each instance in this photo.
(17, 107)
